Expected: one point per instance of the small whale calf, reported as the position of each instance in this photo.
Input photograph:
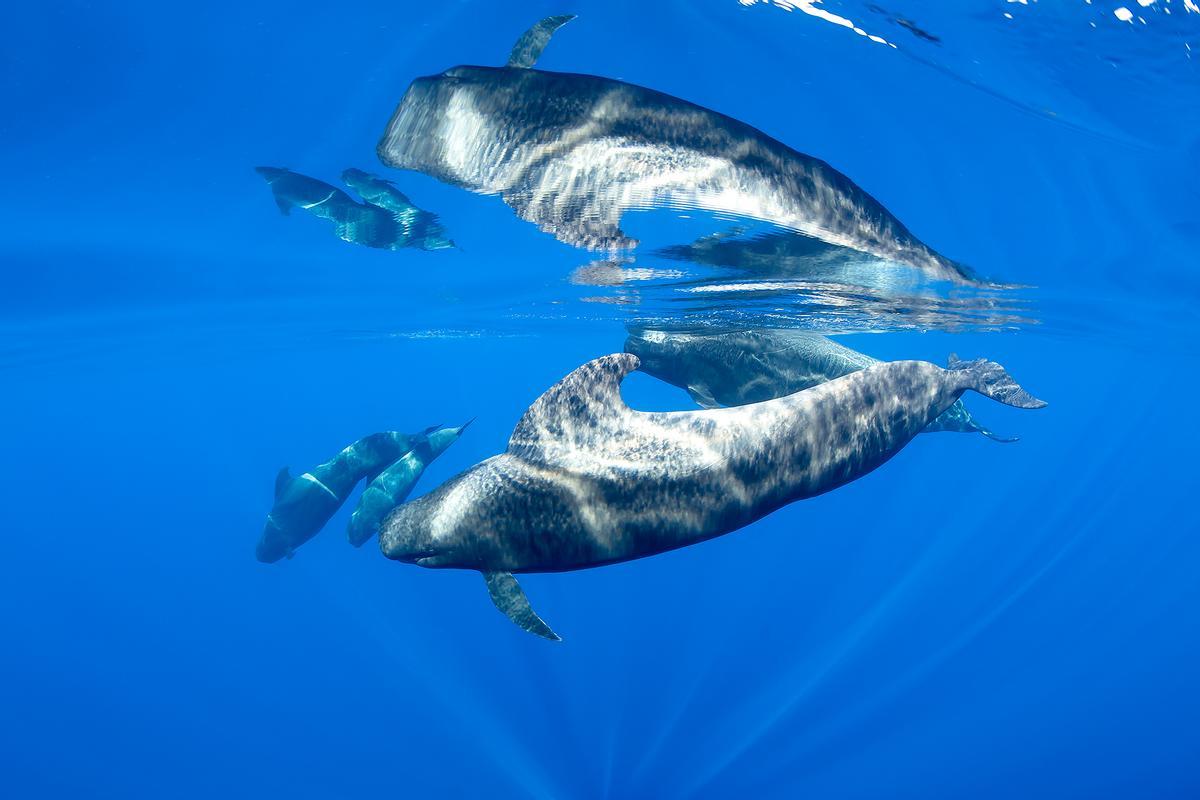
(417, 228)
(587, 481)
(304, 504)
(393, 224)
(391, 487)
(572, 153)
(734, 369)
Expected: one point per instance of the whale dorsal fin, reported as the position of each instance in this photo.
(569, 411)
(529, 47)
(282, 479)
(510, 598)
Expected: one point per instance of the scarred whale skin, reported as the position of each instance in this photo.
(740, 367)
(571, 153)
(587, 481)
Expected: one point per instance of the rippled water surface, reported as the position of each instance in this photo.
(972, 619)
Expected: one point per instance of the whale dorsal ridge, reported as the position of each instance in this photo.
(282, 479)
(529, 47)
(569, 412)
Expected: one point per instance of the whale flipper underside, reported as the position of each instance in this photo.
(510, 598)
(529, 47)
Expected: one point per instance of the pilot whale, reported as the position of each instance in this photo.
(391, 487)
(733, 369)
(388, 227)
(588, 481)
(304, 504)
(417, 228)
(572, 153)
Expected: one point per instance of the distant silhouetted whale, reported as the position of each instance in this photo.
(733, 369)
(305, 503)
(587, 481)
(390, 226)
(572, 153)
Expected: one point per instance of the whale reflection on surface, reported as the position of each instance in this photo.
(725, 280)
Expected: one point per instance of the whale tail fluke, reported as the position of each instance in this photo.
(991, 380)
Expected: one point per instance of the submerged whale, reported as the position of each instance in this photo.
(391, 487)
(305, 503)
(587, 481)
(733, 369)
(358, 223)
(572, 153)
(417, 228)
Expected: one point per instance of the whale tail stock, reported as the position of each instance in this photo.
(991, 380)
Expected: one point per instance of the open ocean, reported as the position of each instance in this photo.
(973, 619)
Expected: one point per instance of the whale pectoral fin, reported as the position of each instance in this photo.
(529, 47)
(702, 397)
(510, 598)
(282, 479)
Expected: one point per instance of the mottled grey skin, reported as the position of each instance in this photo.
(417, 228)
(587, 481)
(305, 503)
(571, 153)
(358, 223)
(391, 487)
(529, 47)
(734, 369)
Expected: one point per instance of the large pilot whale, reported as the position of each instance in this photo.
(304, 504)
(740, 367)
(392, 486)
(588, 481)
(572, 153)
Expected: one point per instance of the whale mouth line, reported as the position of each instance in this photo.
(417, 557)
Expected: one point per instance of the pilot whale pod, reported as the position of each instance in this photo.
(391, 223)
(303, 504)
(571, 153)
(736, 368)
(588, 481)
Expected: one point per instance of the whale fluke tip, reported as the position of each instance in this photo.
(992, 380)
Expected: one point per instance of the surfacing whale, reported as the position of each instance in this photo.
(736, 368)
(305, 503)
(588, 481)
(572, 153)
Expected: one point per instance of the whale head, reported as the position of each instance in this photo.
(274, 544)
(663, 355)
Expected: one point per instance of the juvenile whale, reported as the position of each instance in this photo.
(733, 369)
(572, 153)
(358, 223)
(391, 487)
(587, 481)
(417, 228)
(305, 503)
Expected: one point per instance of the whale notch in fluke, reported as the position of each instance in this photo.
(587, 481)
(572, 153)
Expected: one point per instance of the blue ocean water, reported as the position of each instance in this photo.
(972, 619)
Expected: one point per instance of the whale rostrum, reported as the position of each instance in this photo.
(587, 481)
(572, 153)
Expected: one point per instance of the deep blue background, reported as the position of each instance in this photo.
(972, 620)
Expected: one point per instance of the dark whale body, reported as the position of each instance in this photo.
(571, 153)
(304, 504)
(587, 481)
